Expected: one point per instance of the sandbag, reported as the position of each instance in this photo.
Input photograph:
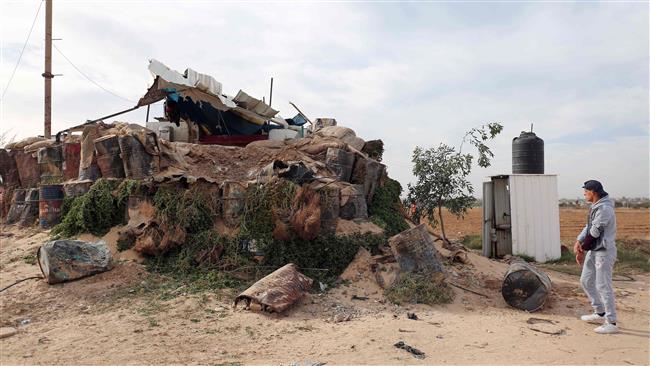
(66, 260)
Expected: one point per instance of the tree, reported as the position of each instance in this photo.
(441, 175)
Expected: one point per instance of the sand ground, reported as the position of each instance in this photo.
(103, 320)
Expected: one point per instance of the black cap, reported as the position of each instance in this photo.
(596, 186)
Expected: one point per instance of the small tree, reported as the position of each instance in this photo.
(441, 174)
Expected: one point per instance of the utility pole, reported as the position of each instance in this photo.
(48, 70)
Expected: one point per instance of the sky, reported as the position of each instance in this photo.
(411, 74)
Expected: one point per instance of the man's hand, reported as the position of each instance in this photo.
(577, 247)
(580, 257)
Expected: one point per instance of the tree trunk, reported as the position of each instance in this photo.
(445, 242)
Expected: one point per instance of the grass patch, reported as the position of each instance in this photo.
(386, 208)
(30, 259)
(183, 265)
(417, 288)
(525, 257)
(567, 257)
(632, 260)
(472, 241)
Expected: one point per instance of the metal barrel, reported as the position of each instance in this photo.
(50, 163)
(71, 156)
(107, 149)
(232, 201)
(28, 169)
(353, 203)
(137, 162)
(341, 162)
(49, 205)
(17, 206)
(29, 213)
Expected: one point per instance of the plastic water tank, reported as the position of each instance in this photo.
(527, 154)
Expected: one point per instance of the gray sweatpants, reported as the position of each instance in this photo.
(596, 281)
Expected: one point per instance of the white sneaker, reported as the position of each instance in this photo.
(607, 328)
(593, 318)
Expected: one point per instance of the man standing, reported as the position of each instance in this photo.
(595, 249)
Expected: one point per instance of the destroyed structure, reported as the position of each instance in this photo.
(216, 166)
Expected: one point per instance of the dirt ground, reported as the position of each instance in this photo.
(111, 319)
(631, 223)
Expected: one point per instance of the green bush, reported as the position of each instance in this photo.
(193, 209)
(323, 258)
(181, 263)
(94, 212)
(472, 241)
(386, 208)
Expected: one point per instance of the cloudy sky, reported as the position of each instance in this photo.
(409, 74)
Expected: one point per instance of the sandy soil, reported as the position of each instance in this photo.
(104, 320)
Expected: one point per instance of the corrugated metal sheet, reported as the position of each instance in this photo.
(535, 216)
(502, 216)
(488, 219)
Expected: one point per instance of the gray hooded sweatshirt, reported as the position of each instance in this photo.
(601, 224)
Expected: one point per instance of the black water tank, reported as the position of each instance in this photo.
(527, 154)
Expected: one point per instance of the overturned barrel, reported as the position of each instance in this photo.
(107, 150)
(49, 206)
(137, 162)
(65, 260)
(525, 287)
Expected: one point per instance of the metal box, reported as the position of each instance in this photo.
(521, 216)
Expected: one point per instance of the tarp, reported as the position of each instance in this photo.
(201, 88)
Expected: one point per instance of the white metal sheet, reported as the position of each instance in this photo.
(535, 216)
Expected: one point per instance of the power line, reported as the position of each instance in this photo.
(21, 51)
(88, 78)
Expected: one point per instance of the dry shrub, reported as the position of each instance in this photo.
(306, 213)
(281, 231)
(159, 239)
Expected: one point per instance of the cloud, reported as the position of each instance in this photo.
(410, 74)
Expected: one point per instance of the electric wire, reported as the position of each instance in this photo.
(20, 57)
(88, 78)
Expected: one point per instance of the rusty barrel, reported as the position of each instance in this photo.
(107, 150)
(525, 287)
(232, 201)
(49, 205)
(137, 162)
(29, 213)
(340, 162)
(71, 156)
(353, 202)
(77, 188)
(17, 206)
(50, 164)
(28, 170)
